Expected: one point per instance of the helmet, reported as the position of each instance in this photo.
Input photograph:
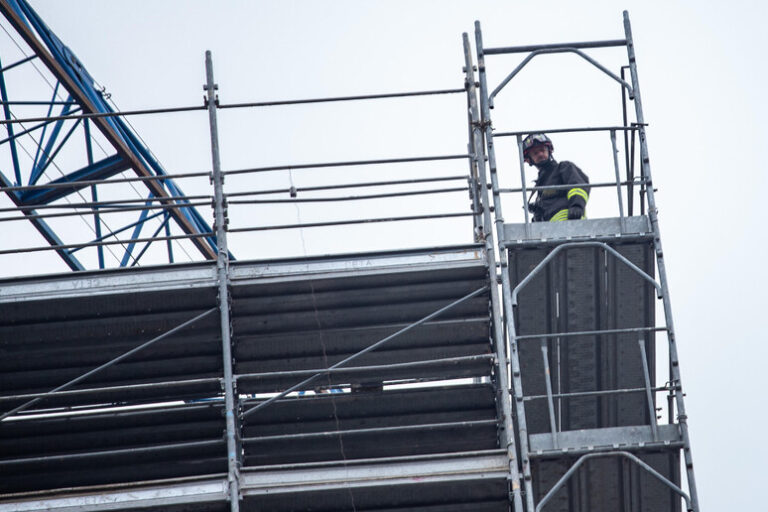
(536, 139)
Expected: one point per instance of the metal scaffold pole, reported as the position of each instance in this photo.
(507, 437)
(505, 283)
(652, 215)
(222, 269)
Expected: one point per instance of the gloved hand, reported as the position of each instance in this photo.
(575, 212)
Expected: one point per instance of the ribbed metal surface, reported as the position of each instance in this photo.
(111, 446)
(314, 323)
(346, 426)
(583, 289)
(609, 484)
(159, 414)
(454, 496)
(49, 342)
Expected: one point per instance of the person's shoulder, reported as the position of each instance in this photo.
(567, 164)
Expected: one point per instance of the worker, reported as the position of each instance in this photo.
(555, 204)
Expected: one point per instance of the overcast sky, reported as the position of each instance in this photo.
(702, 79)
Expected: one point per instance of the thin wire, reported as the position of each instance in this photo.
(326, 364)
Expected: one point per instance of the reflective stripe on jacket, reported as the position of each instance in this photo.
(552, 205)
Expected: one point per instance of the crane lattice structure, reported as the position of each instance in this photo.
(39, 148)
(513, 372)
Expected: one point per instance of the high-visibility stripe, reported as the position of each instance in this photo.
(578, 192)
(563, 215)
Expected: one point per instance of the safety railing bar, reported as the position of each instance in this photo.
(622, 220)
(99, 210)
(577, 394)
(568, 130)
(102, 453)
(569, 186)
(168, 110)
(529, 48)
(515, 437)
(97, 115)
(114, 232)
(564, 246)
(49, 158)
(648, 391)
(590, 333)
(96, 244)
(110, 363)
(370, 348)
(348, 222)
(550, 399)
(557, 49)
(27, 131)
(347, 185)
(363, 369)
(39, 102)
(111, 181)
(320, 165)
(374, 430)
(99, 204)
(163, 224)
(126, 387)
(341, 98)
(348, 198)
(82, 183)
(568, 474)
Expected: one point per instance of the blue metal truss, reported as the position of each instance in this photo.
(54, 134)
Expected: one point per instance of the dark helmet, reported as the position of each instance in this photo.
(536, 139)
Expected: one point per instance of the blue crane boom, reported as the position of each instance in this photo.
(84, 98)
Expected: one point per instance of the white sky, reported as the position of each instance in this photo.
(701, 76)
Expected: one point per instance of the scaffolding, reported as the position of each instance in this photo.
(396, 380)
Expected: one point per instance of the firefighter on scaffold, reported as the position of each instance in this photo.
(555, 204)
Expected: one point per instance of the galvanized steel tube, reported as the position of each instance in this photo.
(222, 269)
(682, 417)
(481, 126)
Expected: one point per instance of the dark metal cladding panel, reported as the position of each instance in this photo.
(47, 343)
(575, 361)
(632, 304)
(375, 424)
(456, 496)
(307, 324)
(111, 447)
(582, 290)
(534, 315)
(609, 484)
(285, 319)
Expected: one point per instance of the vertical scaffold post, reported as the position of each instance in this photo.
(222, 269)
(507, 435)
(652, 215)
(505, 283)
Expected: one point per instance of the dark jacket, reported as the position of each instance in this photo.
(552, 205)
